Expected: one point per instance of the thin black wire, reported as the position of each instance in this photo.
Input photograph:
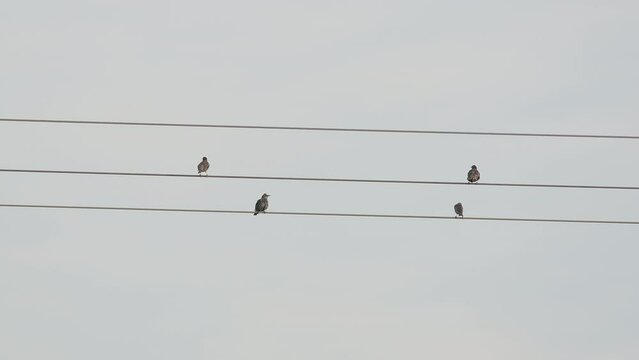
(360, 215)
(287, 178)
(301, 128)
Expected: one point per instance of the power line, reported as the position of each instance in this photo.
(334, 129)
(287, 178)
(293, 213)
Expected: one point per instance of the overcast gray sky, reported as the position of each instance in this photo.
(120, 285)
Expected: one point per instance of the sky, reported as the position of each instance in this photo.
(80, 284)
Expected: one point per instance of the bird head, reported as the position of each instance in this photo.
(474, 167)
(265, 195)
(204, 158)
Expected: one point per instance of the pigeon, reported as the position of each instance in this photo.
(203, 167)
(459, 210)
(262, 204)
(473, 174)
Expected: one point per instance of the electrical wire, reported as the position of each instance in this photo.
(333, 129)
(288, 178)
(293, 213)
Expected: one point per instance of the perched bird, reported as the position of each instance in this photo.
(203, 166)
(262, 204)
(459, 210)
(473, 174)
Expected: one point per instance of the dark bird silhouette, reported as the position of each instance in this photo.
(262, 204)
(473, 174)
(459, 210)
(203, 167)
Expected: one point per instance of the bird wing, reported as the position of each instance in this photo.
(473, 175)
(200, 167)
(258, 205)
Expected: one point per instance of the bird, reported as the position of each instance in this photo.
(203, 166)
(459, 210)
(262, 204)
(473, 174)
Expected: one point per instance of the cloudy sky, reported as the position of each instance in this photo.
(121, 285)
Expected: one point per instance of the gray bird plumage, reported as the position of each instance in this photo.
(473, 174)
(262, 204)
(203, 167)
(459, 210)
